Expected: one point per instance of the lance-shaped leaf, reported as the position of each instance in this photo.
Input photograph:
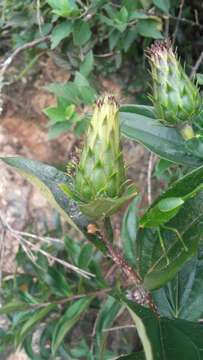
(164, 141)
(48, 179)
(68, 320)
(164, 338)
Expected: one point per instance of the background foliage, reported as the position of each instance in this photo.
(52, 310)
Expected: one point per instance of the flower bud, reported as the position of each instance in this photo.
(176, 98)
(100, 187)
(101, 171)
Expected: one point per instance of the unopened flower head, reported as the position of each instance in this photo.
(176, 98)
(101, 171)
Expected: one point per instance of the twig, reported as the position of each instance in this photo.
(141, 296)
(29, 45)
(166, 31)
(197, 65)
(6, 63)
(75, 297)
(2, 248)
(184, 20)
(105, 55)
(151, 163)
(39, 19)
(35, 247)
(182, 2)
(45, 239)
(116, 328)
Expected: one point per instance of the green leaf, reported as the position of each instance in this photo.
(81, 33)
(58, 129)
(87, 64)
(56, 114)
(183, 189)
(149, 28)
(85, 256)
(86, 92)
(163, 141)
(162, 212)
(181, 239)
(144, 110)
(68, 320)
(60, 32)
(68, 91)
(48, 179)
(57, 282)
(103, 207)
(182, 297)
(73, 249)
(163, 5)
(14, 305)
(107, 315)
(64, 8)
(164, 338)
(163, 251)
(199, 78)
(168, 204)
(35, 318)
(129, 231)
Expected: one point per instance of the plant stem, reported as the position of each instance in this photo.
(141, 296)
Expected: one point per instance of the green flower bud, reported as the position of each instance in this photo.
(100, 186)
(101, 171)
(176, 98)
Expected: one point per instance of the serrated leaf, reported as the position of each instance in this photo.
(60, 32)
(163, 141)
(68, 320)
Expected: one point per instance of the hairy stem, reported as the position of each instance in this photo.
(141, 296)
